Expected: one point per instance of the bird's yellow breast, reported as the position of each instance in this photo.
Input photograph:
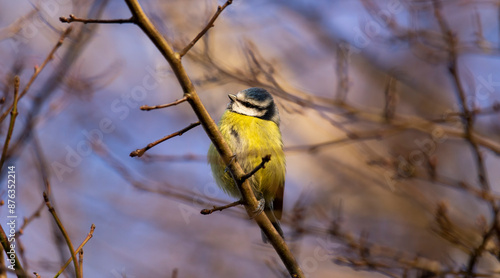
(250, 139)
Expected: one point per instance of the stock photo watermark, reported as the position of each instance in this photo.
(11, 216)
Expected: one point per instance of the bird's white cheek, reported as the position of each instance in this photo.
(238, 108)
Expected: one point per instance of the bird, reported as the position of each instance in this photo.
(251, 127)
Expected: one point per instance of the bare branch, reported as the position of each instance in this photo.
(140, 152)
(38, 69)
(13, 115)
(65, 234)
(6, 247)
(391, 99)
(147, 108)
(73, 18)
(215, 208)
(80, 262)
(209, 25)
(468, 125)
(89, 236)
(265, 160)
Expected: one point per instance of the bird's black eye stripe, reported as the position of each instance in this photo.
(253, 106)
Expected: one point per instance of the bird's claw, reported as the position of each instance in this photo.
(260, 208)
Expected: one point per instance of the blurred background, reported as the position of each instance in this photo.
(390, 120)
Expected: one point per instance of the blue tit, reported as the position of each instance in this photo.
(250, 126)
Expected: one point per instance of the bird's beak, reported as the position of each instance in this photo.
(232, 97)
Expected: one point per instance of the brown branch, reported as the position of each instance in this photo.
(38, 69)
(342, 71)
(147, 108)
(251, 203)
(262, 165)
(6, 247)
(63, 231)
(209, 25)
(468, 123)
(140, 152)
(468, 116)
(89, 236)
(221, 208)
(13, 116)
(391, 99)
(44, 173)
(80, 262)
(73, 18)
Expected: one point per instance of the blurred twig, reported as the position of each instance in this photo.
(6, 247)
(468, 125)
(391, 99)
(65, 234)
(38, 69)
(13, 115)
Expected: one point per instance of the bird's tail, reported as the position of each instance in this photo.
(268, 210)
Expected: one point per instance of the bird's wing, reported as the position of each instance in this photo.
(278, 201)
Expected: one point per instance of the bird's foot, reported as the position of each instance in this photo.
(259, 209)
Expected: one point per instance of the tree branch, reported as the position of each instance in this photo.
(215, 208)
(140, 152)
(6, 247)
(65, 234)
(41, 67)
(13, 116)
(265, 160)
(89, 236)
(147, 108)
(209, 25)
(73, 18)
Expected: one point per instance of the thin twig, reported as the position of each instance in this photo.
(80, 262)
(44, 173)
(38, 69)
(215, 208)
(209, 25)
(147, 108)
(89, 236)
(63, 231)
(73, 18)
(391, 99)
(6, 246)
(342, 71)
(13, 115)
(140, 152)
(468, 116)
(262, 165)
(468, 123)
